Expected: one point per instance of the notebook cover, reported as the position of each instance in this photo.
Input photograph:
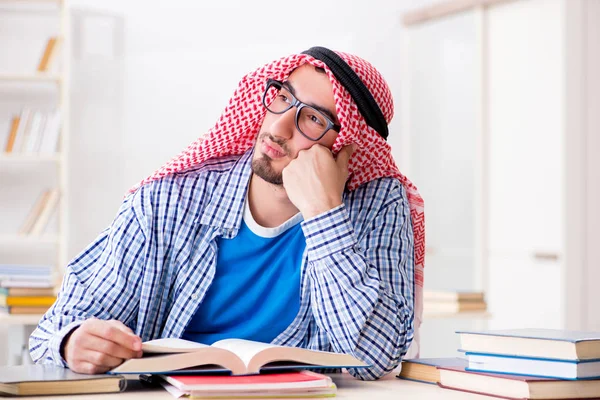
(246, 379)
(48, 373)
(544, 334)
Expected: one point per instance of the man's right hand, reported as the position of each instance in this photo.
(97, 346)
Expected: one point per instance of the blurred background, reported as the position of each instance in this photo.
(497, 121)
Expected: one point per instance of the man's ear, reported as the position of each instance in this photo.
(343, 156)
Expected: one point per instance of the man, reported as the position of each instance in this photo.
(258, 231)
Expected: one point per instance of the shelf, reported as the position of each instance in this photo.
(4, 77)
(28, 158)
(28, 240)
(24, 319)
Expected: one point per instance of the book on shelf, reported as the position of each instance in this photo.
(24, 122)
(12, 134)
(33, 380)
(49, 54)
(40, 213)
(536, 343)
(453, 307)
(238, 356)
(34, 132)
(426, 369)
(301, 384)
(546, 368)
(26, 301)
(43, 218)
(452, 296)
(516, 386)
(451, 302)
(16, 291)
(28, 283)
(34, 213)
(50, 133)
(23, 310)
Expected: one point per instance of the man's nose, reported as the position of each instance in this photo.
(285, 125)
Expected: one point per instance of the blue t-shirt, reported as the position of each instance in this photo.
(255, 293)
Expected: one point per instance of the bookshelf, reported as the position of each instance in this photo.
(28, 27)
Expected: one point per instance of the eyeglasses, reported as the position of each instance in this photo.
(311, 123)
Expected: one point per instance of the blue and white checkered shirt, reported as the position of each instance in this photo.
(151, 268)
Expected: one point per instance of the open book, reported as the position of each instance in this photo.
(238, 356)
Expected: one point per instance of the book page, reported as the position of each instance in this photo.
(171, 345)
(245, 349)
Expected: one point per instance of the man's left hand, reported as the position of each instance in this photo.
(315, 181)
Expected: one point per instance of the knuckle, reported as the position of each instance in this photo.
(86, 369)
(109, 332)
(97, 358)
(109, 348)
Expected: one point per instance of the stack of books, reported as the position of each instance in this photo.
(518, 364)
(237, 368)
(448, 302)
(26, 289)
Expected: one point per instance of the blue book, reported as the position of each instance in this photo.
(533, 343)
(426, 369)
(545, 368)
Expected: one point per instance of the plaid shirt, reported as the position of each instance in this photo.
(151, 268)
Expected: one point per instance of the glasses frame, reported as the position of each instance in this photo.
(299, 106)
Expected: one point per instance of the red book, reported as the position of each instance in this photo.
(517, 386)
(234, 383)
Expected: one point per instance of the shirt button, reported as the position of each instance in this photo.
(195, 296)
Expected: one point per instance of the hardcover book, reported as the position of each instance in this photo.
(32, 380)
(541, 343)
(236, 356)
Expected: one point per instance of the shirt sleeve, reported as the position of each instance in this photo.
(362, 290)
(102, 282)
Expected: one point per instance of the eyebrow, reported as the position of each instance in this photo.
(324, 110)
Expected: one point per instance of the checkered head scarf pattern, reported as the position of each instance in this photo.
(237, 128)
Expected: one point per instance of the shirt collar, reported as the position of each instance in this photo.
(226, 206)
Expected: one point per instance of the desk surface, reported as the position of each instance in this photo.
(387, 388)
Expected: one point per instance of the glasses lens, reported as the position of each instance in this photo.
(312, 122)
(282, 98)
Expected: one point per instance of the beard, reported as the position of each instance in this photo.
(262, 164)
(263, 169)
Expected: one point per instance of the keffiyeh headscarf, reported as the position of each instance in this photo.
(364, 107)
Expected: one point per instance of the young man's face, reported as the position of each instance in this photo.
(279, 140)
